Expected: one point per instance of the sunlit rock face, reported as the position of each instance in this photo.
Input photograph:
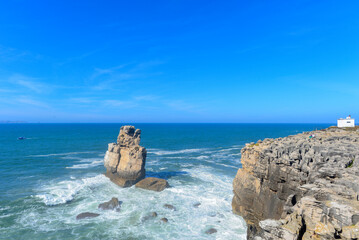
(125, 160)
(304, 186)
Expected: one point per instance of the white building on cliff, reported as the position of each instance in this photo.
(347, 122)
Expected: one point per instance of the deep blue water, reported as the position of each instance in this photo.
(56, 173)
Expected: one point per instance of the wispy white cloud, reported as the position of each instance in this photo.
(32, 102)
(82, 100)
(98, 72)
(114, 102)
(4, 90)
(11, 54)
(181, 105)
(146, 98)
(29, 83)
(109, 78)
(112, 82)
(79, 57)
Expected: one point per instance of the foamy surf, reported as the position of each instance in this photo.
(172, 152)
(88, 163)
(65, 191)
(60, 154)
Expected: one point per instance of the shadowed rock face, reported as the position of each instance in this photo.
(125, 160)
(299, 187)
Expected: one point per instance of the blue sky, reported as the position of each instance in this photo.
(179, 61)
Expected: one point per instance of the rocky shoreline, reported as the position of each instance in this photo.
(304, 186)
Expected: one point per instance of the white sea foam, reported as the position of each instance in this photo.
(87, 165)
(172, 152)
(65, 191)
(60, 154)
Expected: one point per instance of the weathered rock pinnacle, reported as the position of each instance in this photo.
(125, 160)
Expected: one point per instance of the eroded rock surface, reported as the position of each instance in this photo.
(152, 183)
(300, 187)
(125, 160)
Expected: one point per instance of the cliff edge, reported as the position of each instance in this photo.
(304, 186)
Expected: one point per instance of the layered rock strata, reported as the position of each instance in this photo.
(304, 186)
(125, 160)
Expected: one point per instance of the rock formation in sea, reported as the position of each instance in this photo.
(304, 186)
(125, 160)
(113, 204)
(152, 183)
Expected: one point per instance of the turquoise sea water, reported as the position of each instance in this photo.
(56, 173)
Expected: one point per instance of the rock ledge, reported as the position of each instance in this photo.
(304, 186)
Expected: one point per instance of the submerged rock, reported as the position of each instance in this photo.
(152, 183)
(87, 215)
(300, 186)
(149, 216)
(125, 160)
(169, 206)
(196, 205)
(211, 231)
(111, 205)
(165, 220)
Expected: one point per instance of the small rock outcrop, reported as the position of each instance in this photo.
(304, 186)
(86, 215)
(125, 160)
(196, 205)
(169, 206)
(113, 204)
(152, 183)
(149, 216)
(211, 231)
(165, 220)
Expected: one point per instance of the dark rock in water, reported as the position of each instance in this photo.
(149, 216)
(86, 215)
(152, 183)
(211, 231)
(169, 206)
(111, 205)
(165, 220)
(196, 205)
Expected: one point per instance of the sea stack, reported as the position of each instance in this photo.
(304, 186)
(125, 160)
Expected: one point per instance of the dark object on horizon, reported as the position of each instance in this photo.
(21, 138)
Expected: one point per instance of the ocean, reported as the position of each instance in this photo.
(56, 173)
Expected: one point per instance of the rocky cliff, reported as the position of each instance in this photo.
(125, 160)
(304, 186)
